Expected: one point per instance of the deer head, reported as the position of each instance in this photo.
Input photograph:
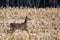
(26, 19)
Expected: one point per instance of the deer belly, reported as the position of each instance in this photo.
(20, 27)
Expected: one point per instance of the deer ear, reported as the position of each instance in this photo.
(10, 23)
(26, 17)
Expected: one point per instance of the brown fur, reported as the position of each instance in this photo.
(21, 26)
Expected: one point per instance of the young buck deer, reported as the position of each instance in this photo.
(22, 26)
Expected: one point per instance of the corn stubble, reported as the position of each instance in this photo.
(45, 23)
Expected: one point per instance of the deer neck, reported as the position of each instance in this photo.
(25, 21)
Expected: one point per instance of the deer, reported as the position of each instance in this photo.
(21, 26)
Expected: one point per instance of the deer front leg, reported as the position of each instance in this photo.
(11, 28)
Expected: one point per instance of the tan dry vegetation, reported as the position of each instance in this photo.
(45, 23)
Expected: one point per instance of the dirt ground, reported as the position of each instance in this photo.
(45, 23)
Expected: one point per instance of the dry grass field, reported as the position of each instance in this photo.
(45, 23)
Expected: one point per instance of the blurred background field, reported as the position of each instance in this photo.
(45, 23)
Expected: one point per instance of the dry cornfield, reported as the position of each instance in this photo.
(45, 23)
